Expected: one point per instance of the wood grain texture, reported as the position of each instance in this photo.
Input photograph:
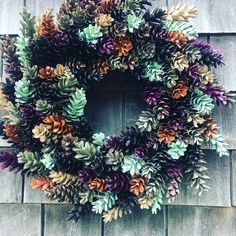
(20, 219)
(11, 187)
(201, 221)
(56, 223)
(138, 224)
(233, 178)
(9, 16)
(214, 16)
(37, 7)
(227, 73)
(219, 194)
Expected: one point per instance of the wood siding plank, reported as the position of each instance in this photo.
(20, 219)
(227, 73)
(233, 177)
(9, 16)
(56, 223)
(201, 221)
(214, 16)
(138, 224)
(38, 6)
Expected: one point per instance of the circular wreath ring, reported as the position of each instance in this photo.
(51, 65)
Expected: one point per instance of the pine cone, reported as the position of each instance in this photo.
(85, 176)
(8, 160)
(114, 143)
(166, 135)
(97, 184)
(217, 93)
(62, 193)
(117, 30)
(152, 95)
(8, 89)
(46, 25)
(14, 71)
(137, 185)
(12, 133)
(46, 91)
(47, 74)
(123, 45)
(180, 90)
(41, 51)
(66, 164)
(83, 129)
(79, 211)
(68, 142)
(61, 44)
(64, 178)
(211, 128)
(162, 108)
(29, 114)
(179, 62)
(43, 107)
(41, 183)
(147, 121)
(177, 37)
(56, 125)
(146, 50)
(118, 183)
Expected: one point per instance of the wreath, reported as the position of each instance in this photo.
(51, 65)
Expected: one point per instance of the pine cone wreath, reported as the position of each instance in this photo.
(56, 61)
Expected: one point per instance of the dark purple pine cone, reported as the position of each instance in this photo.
(118, 183)
(86, 175)
(14, 71)
(60, 43)
(159, 34)
(29, 113)
(140, 152)
(114, 143)
(46, 91)
(106, 46)
(176, 124)
(152, 95)
(192, 72)
(216, 94)
(210, 55)
(9, 160)
(174, 170)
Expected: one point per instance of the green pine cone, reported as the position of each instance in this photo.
(91, 33)
(24, 90)
(133, 22)
(114, 159)
(85, 152)
(43, 107)
(154, 71)
(146, 50)
(202, 102)
(75, 107)
(66, 86)
(177, 149)
(31, 161)
(132, 164)
(147, 121)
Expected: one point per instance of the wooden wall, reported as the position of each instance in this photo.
(24, 212)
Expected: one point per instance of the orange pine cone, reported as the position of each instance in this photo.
(166, 135)
(46, 25)
(123, 45)
(177, 37)
(179, 90)
(12, 133)
(101, 66)
(41, 183)
(57, 125)
(98, 184)
(47, 73)
(211, 128)
(137, 185)
(107, 6)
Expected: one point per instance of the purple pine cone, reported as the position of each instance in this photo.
(14, 71)
(159, 34)
(118, 183)
(106, 46)
(152, 95)
(192, 72)
(174, 170)
(29, 113)
(85, 176)
(114, 143)
(61, 43)
(210, 55)
(217, 94)
(176, 124)
(140, 152)
(9, 160)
